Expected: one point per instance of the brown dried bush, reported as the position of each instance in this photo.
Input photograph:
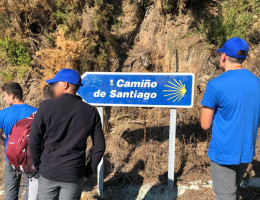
(64, 55)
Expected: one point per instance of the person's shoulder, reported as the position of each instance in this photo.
(49, 102)
(88, 106)
(220, 78)
(213, 83)
(6, 110)
(252, 75)
(29, 106)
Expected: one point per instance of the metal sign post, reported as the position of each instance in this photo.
(100, 169)
(168, 90)
(172, 136)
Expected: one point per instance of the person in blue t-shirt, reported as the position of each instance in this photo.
(9, 116)
(231, 104)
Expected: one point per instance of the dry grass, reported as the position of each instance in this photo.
(65, 54)
(137, 148)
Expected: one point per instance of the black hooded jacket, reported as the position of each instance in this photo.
(58, 138)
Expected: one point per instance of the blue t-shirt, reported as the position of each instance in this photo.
(11, 115)
(235, 97)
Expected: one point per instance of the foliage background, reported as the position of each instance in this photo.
(40, 37)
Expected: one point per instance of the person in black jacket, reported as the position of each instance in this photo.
(58, 139)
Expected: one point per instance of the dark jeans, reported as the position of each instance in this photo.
(226, 179)
(55, 190)
(12, 183)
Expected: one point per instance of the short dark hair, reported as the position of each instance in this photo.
(238, 60)
(48, 92)
(74, 88)
(13, 88)
(242, 53)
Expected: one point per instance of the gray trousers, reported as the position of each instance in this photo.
(54, 190)
(227, 179)
(12, 183)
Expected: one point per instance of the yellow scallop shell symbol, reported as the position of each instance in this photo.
(177, 91)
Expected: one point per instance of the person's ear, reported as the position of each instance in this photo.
(12, 96)
(224, 58)
(66, 85)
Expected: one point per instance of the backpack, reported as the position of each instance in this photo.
(17, 151)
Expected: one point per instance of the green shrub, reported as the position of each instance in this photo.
(170, 6)
(15, 52)
(7, 75)
(67, 16)
(236, 19)
(103, 15)
(100, 45)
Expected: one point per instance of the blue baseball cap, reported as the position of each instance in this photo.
(233, 46)
(67, 75)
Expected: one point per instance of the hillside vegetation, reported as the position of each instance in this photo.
(40, 37)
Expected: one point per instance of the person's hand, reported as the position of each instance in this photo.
(88, 170)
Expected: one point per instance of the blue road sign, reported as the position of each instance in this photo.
(175, 90)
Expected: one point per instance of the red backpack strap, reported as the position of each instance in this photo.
(32, 115)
